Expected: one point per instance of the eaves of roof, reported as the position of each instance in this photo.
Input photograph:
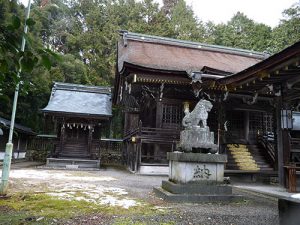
(271, 62)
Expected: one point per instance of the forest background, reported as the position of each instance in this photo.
(84, 34)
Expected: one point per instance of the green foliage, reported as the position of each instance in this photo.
(242, 32)
(184, 24)
(288, 31)
(13, 60)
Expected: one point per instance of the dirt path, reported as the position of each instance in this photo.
(131, 194)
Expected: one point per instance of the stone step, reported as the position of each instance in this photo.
(238, 149)
(241, 154)
(72, 163)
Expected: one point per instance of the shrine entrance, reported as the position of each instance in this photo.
(76, 143)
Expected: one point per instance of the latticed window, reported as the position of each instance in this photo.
(261, 122)
(172, 115)
(236, 120)
(256, 122)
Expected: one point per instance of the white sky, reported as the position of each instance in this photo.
(264, 11)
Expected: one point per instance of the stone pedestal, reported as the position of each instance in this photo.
(196, 168)
(195, 177)
(197, 137)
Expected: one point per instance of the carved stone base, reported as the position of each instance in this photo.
(197, 137)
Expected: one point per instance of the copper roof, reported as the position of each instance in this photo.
(176, 55)
(79, 99)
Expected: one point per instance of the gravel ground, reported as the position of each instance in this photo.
(255, 209)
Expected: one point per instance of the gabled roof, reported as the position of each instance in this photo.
(20, 128)
(282, 68)
(176, 55)
(79, 100)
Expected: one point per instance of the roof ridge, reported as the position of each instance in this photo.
(191, 44)
(82, 88)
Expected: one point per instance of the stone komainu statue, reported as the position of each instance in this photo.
(199, 114)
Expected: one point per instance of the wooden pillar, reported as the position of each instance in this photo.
(90, 137)
(159, 114)
(287, 146)
(126, 123)
(221, 121)
(136, 156)
(280, 162)
(246, 125)
(99, 138)
(62, 137)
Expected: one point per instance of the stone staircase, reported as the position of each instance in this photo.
(260, 158)
(240, 158)
(246, 158)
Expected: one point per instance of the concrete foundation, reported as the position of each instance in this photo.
(289, 210)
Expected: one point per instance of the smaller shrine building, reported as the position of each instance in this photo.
(78, 112)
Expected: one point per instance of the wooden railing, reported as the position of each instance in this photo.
(153, 134)
(168, 135)
(268, 145)
(131, 133)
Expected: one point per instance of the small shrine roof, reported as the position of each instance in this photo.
(77, 99)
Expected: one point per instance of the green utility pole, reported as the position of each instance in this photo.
(9, 145)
